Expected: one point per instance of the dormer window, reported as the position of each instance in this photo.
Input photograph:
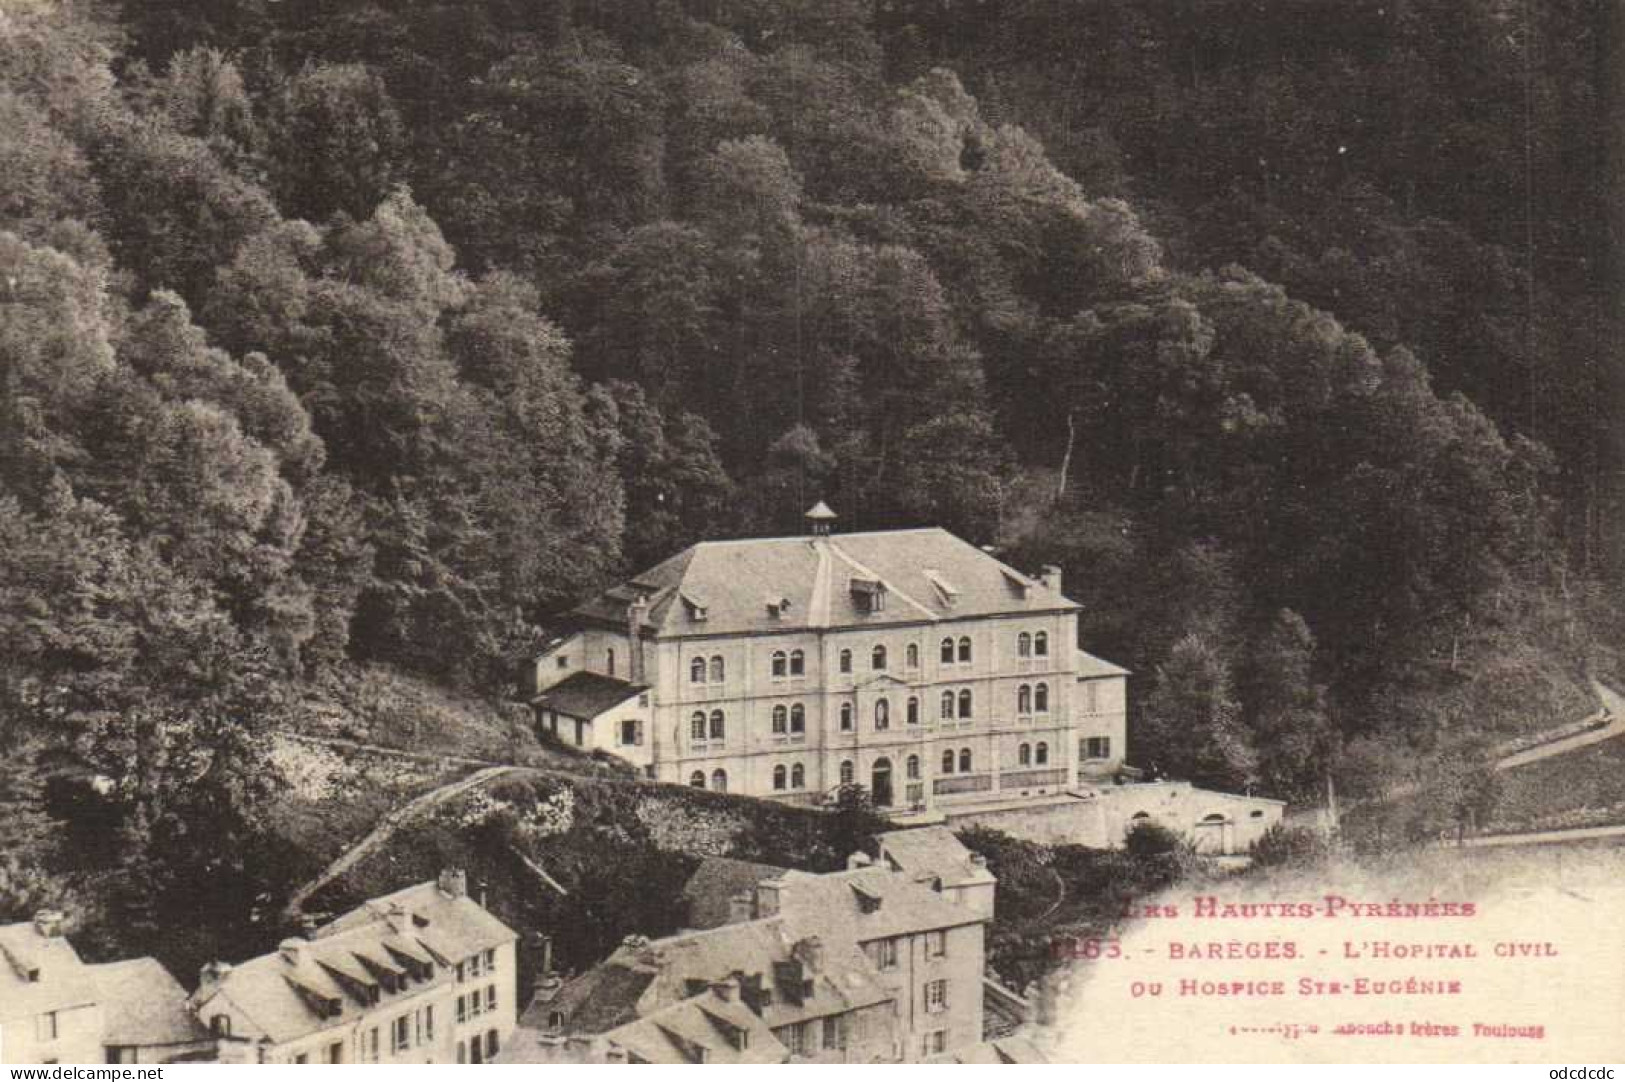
(868, 595)
(868, 900)
(698, 612)
(947, 592)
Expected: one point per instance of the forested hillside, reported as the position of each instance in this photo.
(360, 332)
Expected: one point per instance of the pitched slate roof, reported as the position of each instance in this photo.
(64, 981)
(702, 1028)
(351, 958)
(933, 851)
(712, 887)
(1089, 667)
(142, 1004)
(926, 575)
(599, 1000)
(585, 695)
(865, 904)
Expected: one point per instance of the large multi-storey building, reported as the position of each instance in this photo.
(906, 661)
(424, 975)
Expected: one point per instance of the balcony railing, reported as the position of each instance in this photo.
(1032, 779)
(963, 783)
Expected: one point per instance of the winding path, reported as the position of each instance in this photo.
(386, 828)
(1613, 708)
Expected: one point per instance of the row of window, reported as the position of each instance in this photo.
(950, 652)
(477, 965)
(1027, 755)
(477, 1050)
(809, 1038)
(475, 1003)
(883, 952)
(719, 780)
(699, 672)
(794, 777)
(1032, 699)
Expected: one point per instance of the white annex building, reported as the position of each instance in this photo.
(944, 681)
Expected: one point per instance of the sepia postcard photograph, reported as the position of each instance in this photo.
(688, 532)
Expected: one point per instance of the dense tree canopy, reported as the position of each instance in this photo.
(337, 332)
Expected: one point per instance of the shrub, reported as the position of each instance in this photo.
(1284, 846)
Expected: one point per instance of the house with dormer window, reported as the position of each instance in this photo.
(424, 975)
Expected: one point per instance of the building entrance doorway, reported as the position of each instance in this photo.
(880, 783)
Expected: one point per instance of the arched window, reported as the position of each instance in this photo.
(1024, 755)
(846, 717)
(697, 779)
(798, 718)
(947, 706)
(798, 777)
(913, 767)
(717, 725)
(846, 772)
(882, 714)
(719, 780)
(947, 761)
(778, 663)
(1024, 699)
(717, 670)
(846, 661)
(911, 656)
(1041, 698)
(1041, 644)
(780, 776)
(877, 658)
(1024, 645)
(913, 710)
(798, 663)
(1041, 753)
(609, 660)
(696, 671)
(947, 651)
(964, 760)
(964, 650)
(696, 726)
(781, 718)
(964, 703)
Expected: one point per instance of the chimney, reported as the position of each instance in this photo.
(399, 920)
(1051, 577)
(453, 882)
(810, 953)
(859, 860)
(636, 614)
(741, 907)
(978, 860)
(290, 949)
(48, 923)
(767, 898)
(544, 952)
(212, 973)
